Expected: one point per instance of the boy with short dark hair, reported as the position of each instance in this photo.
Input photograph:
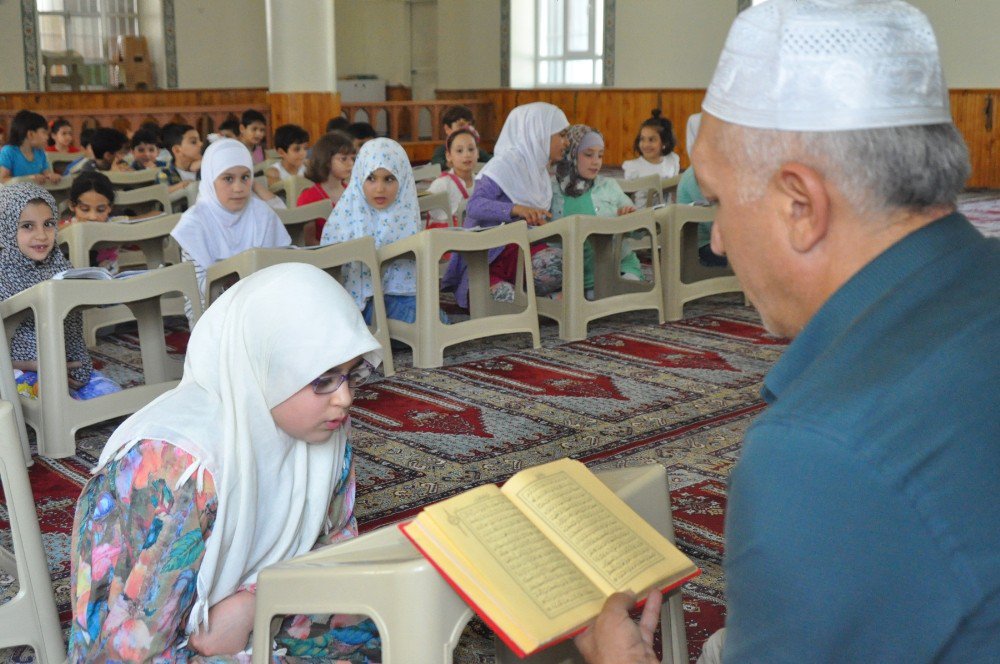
(455, 118)
(145, 150)
(109, 148)
(362, 133)
(338, 123)
(291, 141)
(184, 144)
(253, 126)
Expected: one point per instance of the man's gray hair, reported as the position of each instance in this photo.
(879, 170)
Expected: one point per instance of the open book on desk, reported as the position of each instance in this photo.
(99, 273)
(537, 558)
(124, 219)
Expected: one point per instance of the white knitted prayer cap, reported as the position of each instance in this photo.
(829, 65)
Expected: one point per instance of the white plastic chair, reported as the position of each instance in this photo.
(684, 278)
(612, 293)
(383, 576)
(648, 186)
(153, 238)
(380, 575)
(8, 392)
(646, 490)
(296, 219)
(428, 336)
(438, 202)
(54, 415)
(290, 188)
(425, 174)
(30, 617)
(329, 258)
(144, 196)
(131, 179)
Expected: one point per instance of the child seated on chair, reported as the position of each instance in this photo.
(362, 133)
(458, 182)
(292, 143)
(184, 144)
(654, 145)
(515, 185)
(145, 146)
(578, 188)
(246, 463)
(380, 201)
(91, 199)
(227, 218)
(28, 256)
(330, 168)
(61, 138)
(253, 127)
(24, 153)
(455, 118)
(110, 149)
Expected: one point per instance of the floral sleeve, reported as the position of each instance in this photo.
(138, 540)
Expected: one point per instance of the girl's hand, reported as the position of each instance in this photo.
(626, 209)
(53, 177)
(534, 216)
(231, 622)
(39, 178)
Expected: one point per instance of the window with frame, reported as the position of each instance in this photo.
(85, 26)
(557, 43)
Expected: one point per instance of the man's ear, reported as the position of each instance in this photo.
(805, 205)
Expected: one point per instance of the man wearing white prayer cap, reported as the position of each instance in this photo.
(862, 522)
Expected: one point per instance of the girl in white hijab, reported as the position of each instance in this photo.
(227, 218)
(515, 184)
(244, 464)
(380, 201)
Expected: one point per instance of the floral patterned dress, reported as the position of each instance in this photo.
(138, 542)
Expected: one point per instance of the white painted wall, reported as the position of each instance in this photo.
(967, 39)
(11, 48)
(373, 37)
(676, 43)
(221, 44)
(468, 44)
(669, 43)
(659, 43)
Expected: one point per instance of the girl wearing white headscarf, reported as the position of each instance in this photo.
(244, 464)
(209, 231)
(515, 185)
(355, 217)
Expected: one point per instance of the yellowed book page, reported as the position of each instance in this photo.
(602, 535)
(510, 567)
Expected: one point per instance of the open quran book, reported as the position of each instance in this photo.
(537, 558)
(100, 273)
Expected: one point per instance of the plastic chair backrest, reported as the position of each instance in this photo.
(29, 618)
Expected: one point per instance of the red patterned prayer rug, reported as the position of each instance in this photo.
(680, 395)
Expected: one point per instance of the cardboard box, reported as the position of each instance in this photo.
(131, 76)
(130, 49)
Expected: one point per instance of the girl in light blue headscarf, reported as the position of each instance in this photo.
(380, 201)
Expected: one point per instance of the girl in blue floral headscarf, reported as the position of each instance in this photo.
(380, 201)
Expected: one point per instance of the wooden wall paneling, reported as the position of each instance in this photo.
(310, 110)
(602, 109)
(976, 115)
(44, 101)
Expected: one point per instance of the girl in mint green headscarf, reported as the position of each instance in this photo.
(577, 188)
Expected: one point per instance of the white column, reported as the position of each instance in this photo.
(300, 46)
